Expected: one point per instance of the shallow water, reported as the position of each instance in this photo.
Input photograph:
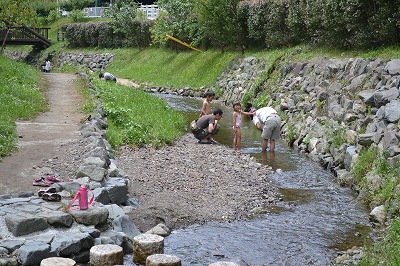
(314, 220)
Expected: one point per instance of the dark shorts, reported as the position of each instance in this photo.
(204, 133)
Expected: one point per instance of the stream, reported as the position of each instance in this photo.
(315, 219)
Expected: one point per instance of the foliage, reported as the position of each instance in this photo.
(102, 35)
(177, 18)
(77, 15)
(220, 21)
(335, 23)
(123, 16)
(19, 98)
(137, 118)
(44, 7)
(364, 164)
(17, 12)
(389, 246)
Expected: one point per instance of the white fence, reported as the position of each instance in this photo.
(151, 11)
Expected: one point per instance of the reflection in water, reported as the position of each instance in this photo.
(315, 218)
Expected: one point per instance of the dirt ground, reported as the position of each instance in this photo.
(178, 185)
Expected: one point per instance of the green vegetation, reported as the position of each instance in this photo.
(387, 251)
(371, 162)
(19, 98)
(162, 67)
(136, 117)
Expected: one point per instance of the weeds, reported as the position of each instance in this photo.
(136, 117)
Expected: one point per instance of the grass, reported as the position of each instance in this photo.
(136, 118)
(387, 251)
(163, 67)
(20, 98)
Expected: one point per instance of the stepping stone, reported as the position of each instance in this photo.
(163, 260)
(57, 261)
(224, 263)
(145, 245)
(106, 255)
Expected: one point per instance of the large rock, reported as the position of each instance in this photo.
(68, 244)
(392, 111)
(92, 216)
(33, 253)
(23, 224)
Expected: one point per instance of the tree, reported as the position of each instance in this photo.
(177, 18)
(123, 15)
(220, 21)
(16, 12)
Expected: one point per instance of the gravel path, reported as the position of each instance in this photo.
(190, 183)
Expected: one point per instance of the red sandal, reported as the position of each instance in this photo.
(53, 179)
(42, 182)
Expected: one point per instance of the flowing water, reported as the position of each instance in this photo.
(315, 219)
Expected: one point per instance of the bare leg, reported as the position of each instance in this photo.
(238, 139)
(272, 146)
(264, 145)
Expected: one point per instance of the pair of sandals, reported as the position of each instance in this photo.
(46, 181)
(49, 194)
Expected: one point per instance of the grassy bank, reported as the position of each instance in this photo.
(136, 117)
(20, 98)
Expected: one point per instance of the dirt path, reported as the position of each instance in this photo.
(43, 140)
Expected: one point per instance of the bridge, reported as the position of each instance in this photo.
(22, 35)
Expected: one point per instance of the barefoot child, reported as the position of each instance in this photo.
(206, 108)
(237, 123)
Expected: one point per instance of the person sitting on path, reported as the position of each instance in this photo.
(107, 76)
(237, 123)
(268, 122)
(206, 108)
(208, 127)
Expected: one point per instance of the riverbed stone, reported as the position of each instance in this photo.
(57, 261)
(224, 263)
(163, 260)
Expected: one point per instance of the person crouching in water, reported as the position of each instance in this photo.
(208, 127)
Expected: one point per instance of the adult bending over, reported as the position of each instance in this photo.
(269, 123)
(208, 127)
(107, 76)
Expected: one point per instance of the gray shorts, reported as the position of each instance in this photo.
(272, 128)
(204, 133)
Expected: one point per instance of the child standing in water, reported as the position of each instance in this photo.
(206, 108)
(237, 123)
